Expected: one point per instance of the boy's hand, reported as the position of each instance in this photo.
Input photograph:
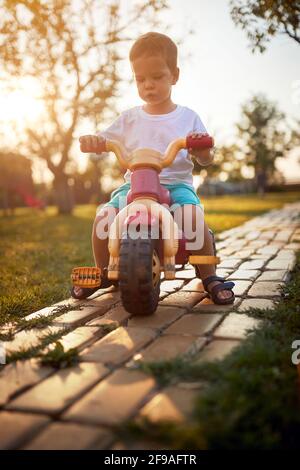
(90, 143)
(203, 156)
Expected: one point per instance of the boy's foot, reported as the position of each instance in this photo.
(223, 293)
(80, 293)
(219, 290)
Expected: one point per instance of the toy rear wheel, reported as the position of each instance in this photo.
(139, 273)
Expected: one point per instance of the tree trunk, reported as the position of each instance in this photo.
(5, 201)
(63, 194)
(261, 181)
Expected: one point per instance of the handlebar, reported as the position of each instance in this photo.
(142, 157)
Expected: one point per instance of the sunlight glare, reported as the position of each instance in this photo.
(21, 105)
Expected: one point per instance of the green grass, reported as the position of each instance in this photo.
(39, 250)
(252, 397)
(225, 212)
(59, 358)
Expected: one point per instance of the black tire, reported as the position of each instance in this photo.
(139, 279)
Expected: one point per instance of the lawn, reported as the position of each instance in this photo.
(39, 249)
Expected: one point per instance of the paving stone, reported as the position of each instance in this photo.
(258, 256)
(227, 243)
(117, 313)
(194, 324)
(262, 304)
(230, 263)
(183, 299)
(55, 308)
(269, 250)
(277, 243)
(114, 291)
(257, 243)
(27, 339)
(194, 285)
(207, 306)
(57, 392)
(253, 235)
(109, 299)
(268, 235)
(240, 244)
(220, 245)
(286, 254)
(114, 400)
(226, 251)
(163, 295)
(79, 317)
(295, 237)
(170, 346)
(222, 235)
(171, 286)
(282, 275)
(16, 427)
(253, 264)
(281, 263)
(265, 289)
(119, 345)
(235, 326)
(283, 235)
(247, 275)
(172, 404)
(223, 272)
(161, 318)
(243, 254)
(69, 436)
(217, 349)
(83, 336)
(241, 287)
(20, 375)
(185, 274)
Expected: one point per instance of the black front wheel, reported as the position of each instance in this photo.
(139, 273)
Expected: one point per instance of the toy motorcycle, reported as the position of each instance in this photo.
(137, 258)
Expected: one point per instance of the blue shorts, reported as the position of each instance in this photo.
(181, 194)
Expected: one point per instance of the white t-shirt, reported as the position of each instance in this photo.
(137, 129)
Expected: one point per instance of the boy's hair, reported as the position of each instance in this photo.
(155, 44)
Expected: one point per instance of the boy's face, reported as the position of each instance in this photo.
(154, 79)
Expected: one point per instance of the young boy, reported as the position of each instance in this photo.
(153, 59)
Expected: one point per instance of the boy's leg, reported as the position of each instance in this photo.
(190, 215)
(100, 233)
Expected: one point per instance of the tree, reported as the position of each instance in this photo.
(74, 48)
(263, 137)
(15, 179)
(228, 160)
(263, 19)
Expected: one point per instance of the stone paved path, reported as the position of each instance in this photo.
(78, 407)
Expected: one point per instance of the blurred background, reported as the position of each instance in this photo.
(65, 72)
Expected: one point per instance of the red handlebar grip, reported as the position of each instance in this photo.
(101, 147)
(199, 143)
(89, 148)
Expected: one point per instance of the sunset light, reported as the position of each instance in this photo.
(21, 105)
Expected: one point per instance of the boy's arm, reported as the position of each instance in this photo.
(204, 157)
